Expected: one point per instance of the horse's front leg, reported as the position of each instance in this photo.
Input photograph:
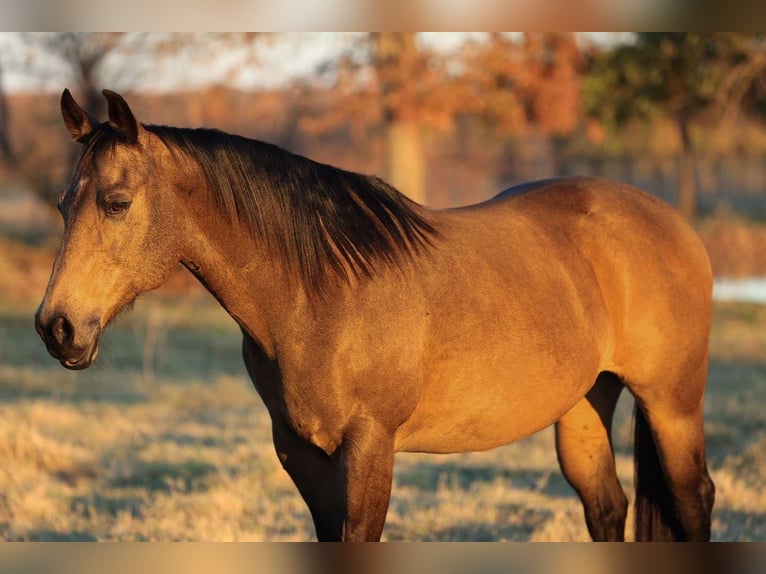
(347, 492)
(319, 479)
(368, 457)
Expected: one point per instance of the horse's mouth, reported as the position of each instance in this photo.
(81, 361)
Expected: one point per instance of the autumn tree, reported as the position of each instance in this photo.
(403, 86)
(398, 64)
(87, 62)
(686, 77)
(82, 54)
(527, 84)
(75, 59)
(391, 82)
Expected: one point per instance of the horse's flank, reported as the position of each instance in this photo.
(497, 319)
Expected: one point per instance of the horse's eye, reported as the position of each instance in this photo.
(115, 208)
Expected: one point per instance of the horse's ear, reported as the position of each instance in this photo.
(120, 116)
(78, 122)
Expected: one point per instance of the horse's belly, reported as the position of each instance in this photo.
(485, 430)
(481, 411)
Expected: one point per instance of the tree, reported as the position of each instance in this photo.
(7, 155)
(387, 81)
(398, 64)
(527, 84)
(392, 80)
(683, 76)
(75, 59)
(83, 53)
(86, 62)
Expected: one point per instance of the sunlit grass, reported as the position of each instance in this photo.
(169, 441)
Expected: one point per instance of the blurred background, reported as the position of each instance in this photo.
(165, 439)
(448, 118)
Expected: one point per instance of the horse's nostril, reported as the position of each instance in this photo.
(61, 330)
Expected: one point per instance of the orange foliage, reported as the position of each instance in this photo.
(402, 82)
(526, 83)
(516, 83)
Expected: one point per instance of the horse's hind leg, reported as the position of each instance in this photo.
(584, 448)
(674, 492)
(684, 514)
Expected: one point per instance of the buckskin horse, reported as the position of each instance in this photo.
(373, 325)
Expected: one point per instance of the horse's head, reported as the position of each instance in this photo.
(120, 230)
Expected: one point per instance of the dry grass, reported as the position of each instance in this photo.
(170, 442)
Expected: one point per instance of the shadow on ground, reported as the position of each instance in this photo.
(162, 476)
(59, 536)
(427, 476)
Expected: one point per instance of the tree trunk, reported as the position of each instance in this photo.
(396, 55)
(406, 160)
(687, 189)
(6, 151)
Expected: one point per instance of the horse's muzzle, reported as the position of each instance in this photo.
(74, 348)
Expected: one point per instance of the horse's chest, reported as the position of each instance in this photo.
(308, 409)
(363, 368)
(315, 414)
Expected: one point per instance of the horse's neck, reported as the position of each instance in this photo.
(250, 285)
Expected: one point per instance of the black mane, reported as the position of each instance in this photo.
(316, 217)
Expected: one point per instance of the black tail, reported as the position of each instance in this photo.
(655, 508)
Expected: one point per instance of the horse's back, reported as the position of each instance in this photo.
(604, 216)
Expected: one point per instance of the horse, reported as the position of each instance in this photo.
(373, 325)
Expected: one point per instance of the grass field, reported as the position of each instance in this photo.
(165, 439)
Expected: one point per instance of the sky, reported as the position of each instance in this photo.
(279, 59)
